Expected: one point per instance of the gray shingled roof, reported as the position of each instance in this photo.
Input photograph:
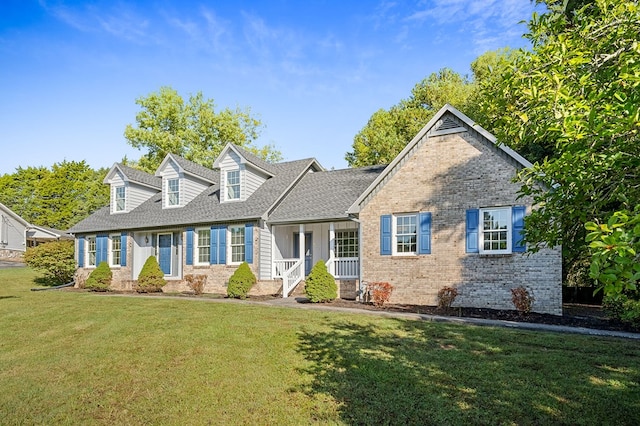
(324, 195)
(139, 176)
(196, 169)
(205, 208)
(255, 160)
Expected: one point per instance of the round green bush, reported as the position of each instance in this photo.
(100, 278)
(151, 278)
(320, 286)
(241, 282)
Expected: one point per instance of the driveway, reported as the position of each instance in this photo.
(4, 264)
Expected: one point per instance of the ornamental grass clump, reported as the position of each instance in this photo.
(100, 278)
(522, 299)
(151, 278)
(241, 282)
(196, 282)
(380, 292)
(320, 286)
(446, 297)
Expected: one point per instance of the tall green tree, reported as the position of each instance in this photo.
(388, 131)
(58, 197)
(193, 129)
(574, 99)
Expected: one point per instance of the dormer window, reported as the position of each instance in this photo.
(233, 185)
(120, 198)
(173, 192)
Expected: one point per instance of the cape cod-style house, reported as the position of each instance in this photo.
(445, 212)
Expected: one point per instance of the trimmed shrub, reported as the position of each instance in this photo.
(320, 286)
(446, 297)
(196, 282)
(100, 278)
(380, 292)
(54, 259)
(522, 299)
(241, 282)
(151, 278)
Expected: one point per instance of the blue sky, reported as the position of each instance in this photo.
(312, 71)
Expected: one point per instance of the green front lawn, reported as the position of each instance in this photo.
(84, 358)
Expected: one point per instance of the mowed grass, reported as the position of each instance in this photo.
(84, 358)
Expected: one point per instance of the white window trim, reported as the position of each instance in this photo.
(394, 235)
(86, 250)
(115, 199)
(509, 230)
(230, 245)
(111, 250)
(167, 204)
(196, 246)
(239, 185)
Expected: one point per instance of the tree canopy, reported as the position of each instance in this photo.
(388, 131)
(572, 104)
(193, 129)
(58, 197)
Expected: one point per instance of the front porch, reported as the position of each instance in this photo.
(335, 243)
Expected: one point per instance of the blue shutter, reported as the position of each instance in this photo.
(102, 244)
(189, 246)
(424, 233)
(248, 243)
(385, 234)
(517, 241)
(222, 245)
(213, 249)
(123, 249)
(472, 228)
(81, 252)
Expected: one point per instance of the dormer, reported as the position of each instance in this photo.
(182, 180)
(130, 187)
(241, 173)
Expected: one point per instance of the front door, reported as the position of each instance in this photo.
(308, 247)
(164, 252)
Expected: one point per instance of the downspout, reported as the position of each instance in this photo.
(360, 283)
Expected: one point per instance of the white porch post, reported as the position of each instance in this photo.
(273, 251)
(303, 249)
(332, 249)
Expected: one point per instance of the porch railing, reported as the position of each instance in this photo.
(282, 265)
(344, 267)
(292, 276)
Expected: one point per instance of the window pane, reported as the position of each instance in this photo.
(233, 185)
(346, 243)
(495, 229)
(173, 192)
(204, 245)
(237, 243)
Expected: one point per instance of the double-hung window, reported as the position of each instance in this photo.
(116, 250)
(120, 199)
(495, 230)
(233, 185)
(204, 246)
(405, 234)
(237, 243)
(91, 251)
(173, 192)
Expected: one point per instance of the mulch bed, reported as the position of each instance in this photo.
(574, 315)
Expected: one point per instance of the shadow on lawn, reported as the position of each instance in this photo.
(409, 372)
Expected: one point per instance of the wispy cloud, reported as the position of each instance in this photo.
(488, 22)
(119, 20)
